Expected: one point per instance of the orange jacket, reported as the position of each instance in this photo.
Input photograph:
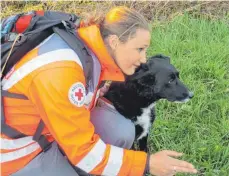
(47, 76)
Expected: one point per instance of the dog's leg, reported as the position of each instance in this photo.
(143, 143)
(138, 131)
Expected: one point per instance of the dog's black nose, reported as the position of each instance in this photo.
(191, 94)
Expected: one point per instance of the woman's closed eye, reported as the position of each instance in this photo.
(140, 49)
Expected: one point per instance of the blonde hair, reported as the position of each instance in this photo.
(120, 21)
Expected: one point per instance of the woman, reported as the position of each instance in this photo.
(51, 76)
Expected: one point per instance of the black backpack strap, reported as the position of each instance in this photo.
(13, 95)
(41, 139)
(73, 40)
(15, 134)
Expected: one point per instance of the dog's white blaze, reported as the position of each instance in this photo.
(144, 120)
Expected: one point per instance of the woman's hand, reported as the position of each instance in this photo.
(162, 164)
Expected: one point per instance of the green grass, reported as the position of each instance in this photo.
(199, 48)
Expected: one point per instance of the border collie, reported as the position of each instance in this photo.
(136, 97)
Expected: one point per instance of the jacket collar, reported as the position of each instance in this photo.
(92, 38)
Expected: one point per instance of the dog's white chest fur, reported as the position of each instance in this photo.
(144, 120)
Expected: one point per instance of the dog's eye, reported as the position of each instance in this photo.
(170, 81)
(172, 78)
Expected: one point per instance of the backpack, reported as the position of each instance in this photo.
(23, 32)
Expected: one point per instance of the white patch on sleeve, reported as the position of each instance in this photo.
(76, 94)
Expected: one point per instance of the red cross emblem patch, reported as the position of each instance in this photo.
(76, 94)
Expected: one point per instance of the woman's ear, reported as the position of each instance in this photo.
(113, 41)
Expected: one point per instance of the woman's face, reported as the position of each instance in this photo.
(129, 55)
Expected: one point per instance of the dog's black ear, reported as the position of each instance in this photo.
(167, 58)
(147, 80)
(161, 58)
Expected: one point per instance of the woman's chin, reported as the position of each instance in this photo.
(129, 71)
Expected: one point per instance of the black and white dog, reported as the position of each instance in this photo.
(136, 97)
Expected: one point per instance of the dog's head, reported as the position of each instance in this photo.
(161, 79)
